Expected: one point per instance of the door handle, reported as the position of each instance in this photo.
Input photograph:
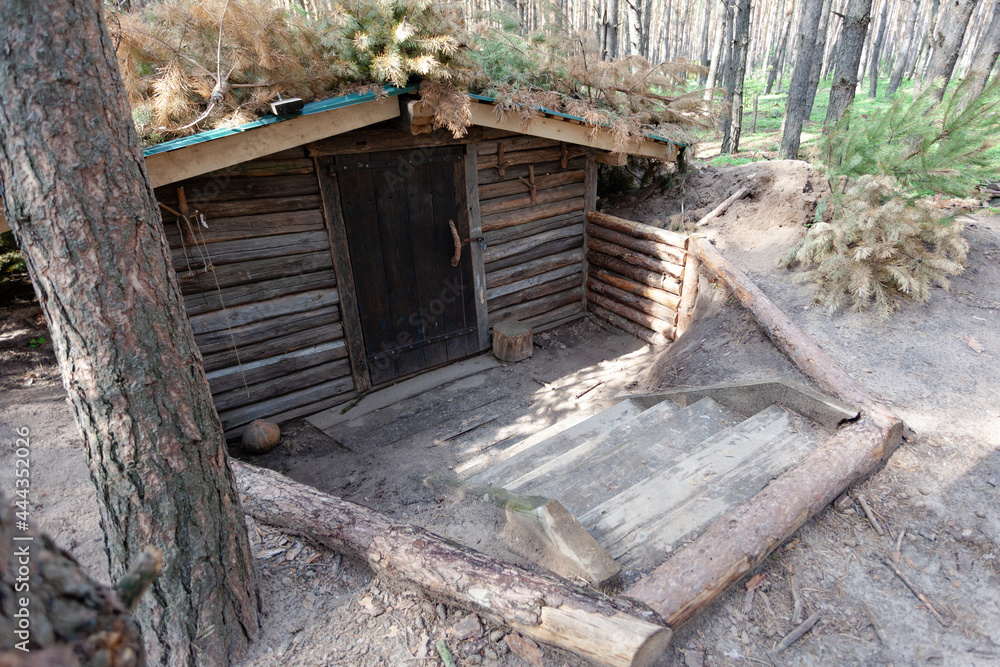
(458, 240)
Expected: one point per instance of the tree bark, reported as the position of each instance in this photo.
(852, 39)
(79, 201)
(947, 42)
(986, 54)
(705, 38)
(741, 40)
(635, 27)
(56, 611)
(877, 53)
(905, 54)
(600, 628)
(720, 33)
(798, 90)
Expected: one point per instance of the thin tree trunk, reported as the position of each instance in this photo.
(647, 28)
(920, 64)
(852, 37)
(741, 41)
(635, 28)
(817, 61)
(778, 56)
(727, 50)
(902, 60)
(986, 55)
(798, 90)
(720, 33)
(947, 44)
(705, 38)
(876, 53)
(79, 201)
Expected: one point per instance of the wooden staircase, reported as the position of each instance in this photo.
(651, 472)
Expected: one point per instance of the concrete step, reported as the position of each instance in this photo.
(594, 472)
(643, 523)
(538, 449)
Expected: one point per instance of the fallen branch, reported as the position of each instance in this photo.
(913, 589)
(721, 208)
(871, 515)
(796, 634)
(607, 630)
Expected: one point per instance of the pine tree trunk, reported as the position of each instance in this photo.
(947, 41)
(705, 38)
(852, 38)
(876, 54)
(775, 63)
(720, 33)
(798, 90)
(741, 41)
(902, 60)
(817, 61)
(647, 28)
(722, 78)
(634, 10)
(986, 54)
(79, 201)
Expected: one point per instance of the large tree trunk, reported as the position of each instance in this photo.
(852, 39)
(741, 40)
(986, 54)
(79, 201)
(905, 54)
(947, 41)
(873, 65)
(798, 90)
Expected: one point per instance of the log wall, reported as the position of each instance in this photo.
(266, 315)
(534, 260)
(636, 275)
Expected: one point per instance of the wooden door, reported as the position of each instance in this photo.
(416, 310)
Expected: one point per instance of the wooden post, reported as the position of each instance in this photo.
(589, 206)
(689, 289)
(512, 341)
(753, 127)
(475, 231)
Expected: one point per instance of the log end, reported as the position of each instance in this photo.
(512, 340)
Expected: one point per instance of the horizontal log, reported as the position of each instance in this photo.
(222, 186)
(294, 152)
(255, 270)
(621, 282)
(250, 373)
(638, 229)
(634, 258)
(502, 250)
(248, 226)
(282, 384)
(256, 206)
(241, 416)
(513, 173)
(546, 180)
(229, 297)
(537, 291)
(538, 306)
(629, 313)
(557, 317)
(642, 304)
(645, 246)
(273, 167)
(373, 140)
(644, 276)
(540, 252)
(261, 247)
(250, 334)
(520, 217)
(254, 312)
(304, 410)
(520, 157)
(532, 268)
(537, 227)
(596, 627)
(543, 195)
(514, 144)
(521, 285)
(270, 347)
(628, 326)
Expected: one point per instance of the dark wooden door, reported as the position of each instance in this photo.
(416, 310)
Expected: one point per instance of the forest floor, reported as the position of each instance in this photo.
(936, 364)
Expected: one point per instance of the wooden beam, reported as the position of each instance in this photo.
(475, 231)
(191, 161)
(560, 130)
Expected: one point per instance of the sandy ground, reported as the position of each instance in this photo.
(936, 364)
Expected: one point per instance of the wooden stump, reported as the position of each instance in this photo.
(512, 341)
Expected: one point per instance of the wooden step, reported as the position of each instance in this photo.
(642, 524)
(546, 445)
(583, 478)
